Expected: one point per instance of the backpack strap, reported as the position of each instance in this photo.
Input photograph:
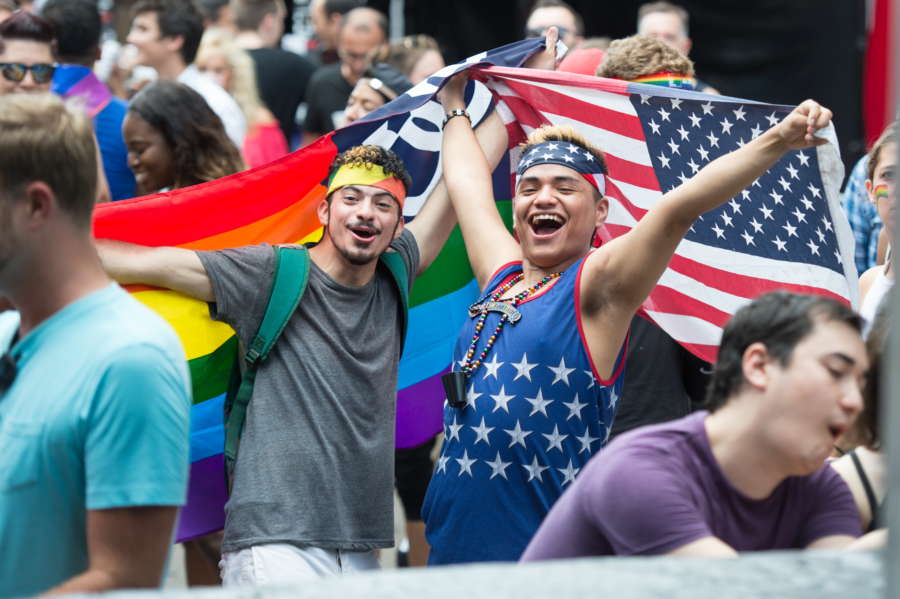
(289, 279)
(397, 267)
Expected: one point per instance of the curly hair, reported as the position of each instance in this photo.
(203, 152)
(370, 156)
(642, 55)
(564, 134)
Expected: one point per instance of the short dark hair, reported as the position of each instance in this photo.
(248, 14)
(77, 26)
(779, 320)
(176, 18)
(579, 22)
(203, 152)
(212, 9)
(23, 25)
(665, 7)
(341, 7)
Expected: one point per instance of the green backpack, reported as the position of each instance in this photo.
(289, 279)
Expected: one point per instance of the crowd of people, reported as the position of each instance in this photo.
(775, 446)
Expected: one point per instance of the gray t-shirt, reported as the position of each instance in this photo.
(316, 461)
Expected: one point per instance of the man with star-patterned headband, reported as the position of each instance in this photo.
(541, 356)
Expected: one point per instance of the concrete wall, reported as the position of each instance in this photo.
(794, 575)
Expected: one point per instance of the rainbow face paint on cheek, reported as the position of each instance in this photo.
(881, 193)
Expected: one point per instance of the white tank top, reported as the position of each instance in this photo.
(876, 293)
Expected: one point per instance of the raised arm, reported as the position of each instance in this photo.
(172, 268)
(468, 177)
(619, 276)
(436, 219)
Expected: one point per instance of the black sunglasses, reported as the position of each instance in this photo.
(8, 372)
(542, 31)
(15, 71)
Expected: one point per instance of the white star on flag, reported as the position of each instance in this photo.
(575, 407)
(555, 439)
(517, 435)
(465, 464)
(491, 368)
(501, 400)
(482, 432)
(498, 467)
(454, 430)
(471, 396)
(535, 470)
(562, 373)
(569, 473)
(539, 404)
(442, 463)
(586, 441)
(523, 368)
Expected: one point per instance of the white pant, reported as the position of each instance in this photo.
(284, 564)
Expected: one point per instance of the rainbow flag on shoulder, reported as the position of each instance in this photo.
(276, 203)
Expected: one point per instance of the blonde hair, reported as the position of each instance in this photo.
(888, 136)
(41, 139)
(564, 134)
(406, 54)
(642, 55)
(243, 72)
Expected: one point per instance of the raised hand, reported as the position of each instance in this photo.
(798, 129)
(545, 60)
(451, 95)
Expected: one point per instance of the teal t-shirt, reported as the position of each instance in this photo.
(97, 418)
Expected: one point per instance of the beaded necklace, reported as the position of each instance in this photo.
(471, 366)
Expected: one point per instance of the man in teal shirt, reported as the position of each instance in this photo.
(94, 389)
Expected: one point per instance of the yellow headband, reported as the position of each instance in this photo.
(374, 176)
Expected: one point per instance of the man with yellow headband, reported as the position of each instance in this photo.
(312, 495)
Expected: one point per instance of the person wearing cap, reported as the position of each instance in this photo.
(538, 363)
(379, 84)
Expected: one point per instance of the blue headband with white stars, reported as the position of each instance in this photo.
(556, 152)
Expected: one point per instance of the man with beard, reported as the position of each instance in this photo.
(313, 487)
(94, 390)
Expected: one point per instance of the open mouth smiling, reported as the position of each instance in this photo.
(363, 233)
(545, 225)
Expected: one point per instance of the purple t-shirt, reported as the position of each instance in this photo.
(659, 487)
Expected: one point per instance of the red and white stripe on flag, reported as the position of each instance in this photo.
(703, 285)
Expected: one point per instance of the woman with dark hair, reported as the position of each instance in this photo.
(27, 54)
(864, 467)
(175, 140)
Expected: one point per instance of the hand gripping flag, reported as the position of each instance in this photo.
(786, 231)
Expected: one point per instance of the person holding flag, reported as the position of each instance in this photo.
(538, 368)
(312, 495)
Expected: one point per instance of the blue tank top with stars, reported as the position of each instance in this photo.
(536, 412)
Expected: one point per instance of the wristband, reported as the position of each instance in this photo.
(453, 113)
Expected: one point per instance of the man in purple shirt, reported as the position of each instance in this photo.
(748, 475)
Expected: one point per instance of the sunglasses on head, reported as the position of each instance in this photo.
(15, 71)
(542, 31)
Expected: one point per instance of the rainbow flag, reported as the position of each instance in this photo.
(667, 80)
(276, 203)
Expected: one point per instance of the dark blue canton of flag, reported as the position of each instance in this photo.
(783, 215)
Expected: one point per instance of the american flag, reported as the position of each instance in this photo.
(786, 231)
